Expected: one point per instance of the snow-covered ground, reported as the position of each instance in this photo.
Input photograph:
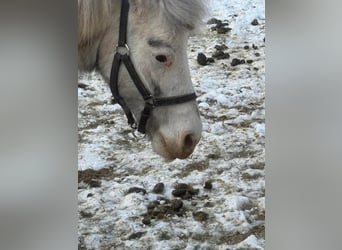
(230, 155)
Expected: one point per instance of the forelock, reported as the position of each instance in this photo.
(187, 14)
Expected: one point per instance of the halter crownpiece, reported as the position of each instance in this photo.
(151, 102)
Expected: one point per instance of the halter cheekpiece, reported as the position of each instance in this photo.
(122, 55)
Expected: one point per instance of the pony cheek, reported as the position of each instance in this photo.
(169, 61)
(168, 64)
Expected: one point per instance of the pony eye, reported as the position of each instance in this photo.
(161, 58)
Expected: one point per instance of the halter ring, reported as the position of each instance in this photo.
(123, 50)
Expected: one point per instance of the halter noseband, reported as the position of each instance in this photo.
(122, 55)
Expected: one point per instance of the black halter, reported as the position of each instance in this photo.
(122, 55)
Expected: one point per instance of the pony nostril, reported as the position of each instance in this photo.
(188, 141)
(161, 58)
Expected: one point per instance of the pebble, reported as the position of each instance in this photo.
(209, 204)
(135, 236)
(249, 61)
(151, 206)
(208, 185)
(82, 85)
(220, 27)
(214, 21)
(200, 216)
(193, 191)
(210, 60)
(176, 204)
(184, 191)
(255, 22)
(94, 184)
(179, 192)
(136, 190)
(237, 61)
(246, 47)
(146, 221)
(158, 188)
(220, 55)
(223, 30)
(221, 47)
(86, 214)
(201, 59)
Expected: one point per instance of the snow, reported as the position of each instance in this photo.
(231, 152)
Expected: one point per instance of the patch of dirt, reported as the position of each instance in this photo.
(163, 208)
(237, 237)
(90, 176)
(199, 166)
(249, 177)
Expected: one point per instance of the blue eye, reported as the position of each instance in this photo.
(161, 58)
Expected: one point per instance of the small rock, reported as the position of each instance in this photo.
(210, 60)
(249, 61)
(208, 185)
(214, 21)
(255, 22)
(237, 61)
(194, 203)
(221, 47)
(257, 54)
(151, 206)
(214, 156)
(146, 221)
(220, 55)
(254, 46)
(86, 214)
(94, 184)
(135, 236)
(209, 204)
(179, 192)
(223, 24)
(176, 204)
(158, 188)
(90, 195)
(187, 196)
(82, 85)
(246, 47)
(246, 206)
(200, 216)
(201, 59)
(185, 191)
(136, 190)
(193, 191)
(223, 30)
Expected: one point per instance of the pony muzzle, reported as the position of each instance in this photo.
(176, 147)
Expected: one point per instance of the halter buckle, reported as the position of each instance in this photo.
(150, 100)
(122, 50)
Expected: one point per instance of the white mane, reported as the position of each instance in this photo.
(94, 16)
